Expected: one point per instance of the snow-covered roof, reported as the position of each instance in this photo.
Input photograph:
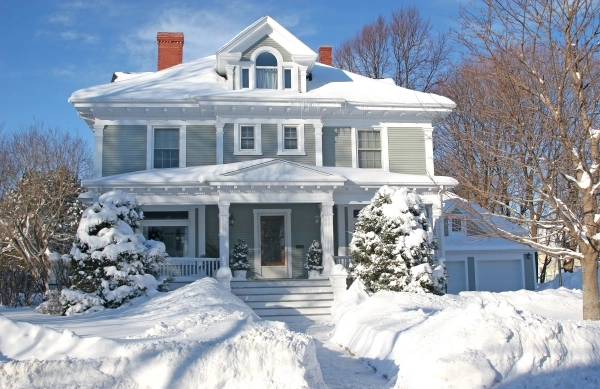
(122, 76)
(301, 53)
(266, 171)
(198, 81)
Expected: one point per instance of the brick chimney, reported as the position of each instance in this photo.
(325, 55)
(170, 49)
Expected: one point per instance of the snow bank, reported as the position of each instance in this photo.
(473, 340)
(569, 281)
(197, 336)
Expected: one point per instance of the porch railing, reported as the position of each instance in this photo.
(344, 260)
(185, 269)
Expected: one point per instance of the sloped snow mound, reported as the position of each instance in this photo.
(196, 336)
(474, 340)
(569, 281)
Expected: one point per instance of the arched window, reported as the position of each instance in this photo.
(266, 71)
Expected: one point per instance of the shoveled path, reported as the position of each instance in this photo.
(339, 368)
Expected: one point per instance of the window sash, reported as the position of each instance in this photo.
(287, 78)
(266, 78)
(245, 78)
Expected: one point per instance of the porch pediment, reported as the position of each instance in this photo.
(277, 172)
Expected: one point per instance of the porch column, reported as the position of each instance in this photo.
(219, 127)
(327, 236)
(224, 233)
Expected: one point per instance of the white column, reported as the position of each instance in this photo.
(319, 144)
(219, 127)
(149, 146)
(201, 233)
(98, 141)
(303, 79)
(182, 146)
(438, 224)
(224, 233)
(327, 237)
(385, 151)
(230, 69)
(428, 133)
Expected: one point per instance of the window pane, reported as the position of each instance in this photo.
(166, 215)
(290, 132)
(175, 238)
(291, 144)
(245, 78)
(266, 59)
(287, 78)
(247, 132)
(266, 78)
(369, 159)
(247, 144)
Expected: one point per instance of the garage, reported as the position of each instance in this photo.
(499, 276)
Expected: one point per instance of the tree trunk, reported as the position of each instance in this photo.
(589, 278)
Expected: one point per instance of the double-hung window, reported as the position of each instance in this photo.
(266, 71)
(166, 148)
(369, 149)
(171, 228)
(247, 138)
(290, 138)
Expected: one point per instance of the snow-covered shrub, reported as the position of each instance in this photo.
(392, 245)
(314, 257)
(110, 262)
(51, 304)
(240, 258)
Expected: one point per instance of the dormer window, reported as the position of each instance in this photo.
(266, 71)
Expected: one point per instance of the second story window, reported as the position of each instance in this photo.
(245, 78)
(266, 71)
(166, 148)
(247, 138)
(369, 149)
(290, 140)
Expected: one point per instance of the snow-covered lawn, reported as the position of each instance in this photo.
(202, 336)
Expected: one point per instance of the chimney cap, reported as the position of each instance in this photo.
(170, 36)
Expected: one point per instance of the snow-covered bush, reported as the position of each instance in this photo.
(240, 258)
(110, 262)
(392, 245)
(314, 257)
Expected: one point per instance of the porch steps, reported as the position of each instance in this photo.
(287, 300)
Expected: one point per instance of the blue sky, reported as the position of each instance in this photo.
(49, 49)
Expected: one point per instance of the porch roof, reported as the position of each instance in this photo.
(267, 171)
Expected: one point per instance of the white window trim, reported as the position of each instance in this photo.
(281, 150)
(150, 143)
(385, 165)
(257, 139)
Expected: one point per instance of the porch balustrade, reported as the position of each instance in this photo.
(186, 269)
(343, 260)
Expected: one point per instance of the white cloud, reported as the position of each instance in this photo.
(79, 36)
(205, 31)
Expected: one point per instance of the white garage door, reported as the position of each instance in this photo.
(457, 281)
(499, 276)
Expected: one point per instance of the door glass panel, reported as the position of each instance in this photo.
(272, 240)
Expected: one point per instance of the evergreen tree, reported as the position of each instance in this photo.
(110, 262)
(314, 257)
(240, 257)
(392, 245)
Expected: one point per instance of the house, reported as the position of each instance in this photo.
(477, 259)
(265, 142)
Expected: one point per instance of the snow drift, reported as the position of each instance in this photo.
(473, 340)
(197, 336)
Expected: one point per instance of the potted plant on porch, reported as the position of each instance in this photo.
(239, 262)
(314, 260)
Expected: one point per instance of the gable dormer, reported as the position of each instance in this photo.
(265, 56)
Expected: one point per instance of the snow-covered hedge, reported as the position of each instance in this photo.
(392, 245)
(110, 262)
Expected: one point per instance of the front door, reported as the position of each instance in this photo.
(272, 240)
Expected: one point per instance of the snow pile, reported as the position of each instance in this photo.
(197, 336)
(392, 245)
(473, 340)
